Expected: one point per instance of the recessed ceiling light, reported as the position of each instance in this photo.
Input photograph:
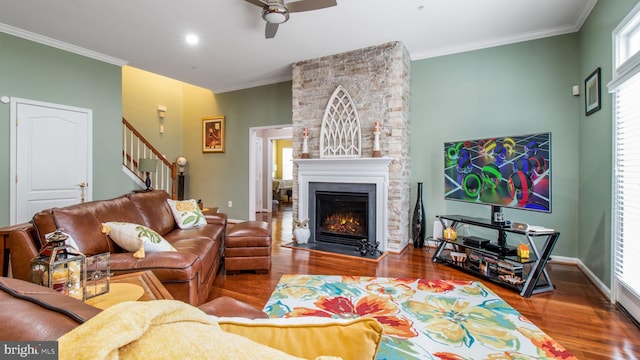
(192, 39)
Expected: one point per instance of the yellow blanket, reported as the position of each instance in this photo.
(162, 329)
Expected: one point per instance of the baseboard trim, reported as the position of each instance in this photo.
(563, 260)
(585, 270)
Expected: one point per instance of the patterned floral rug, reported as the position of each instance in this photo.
(422, 319)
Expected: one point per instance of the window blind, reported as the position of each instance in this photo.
(627, 187)
(626, 173)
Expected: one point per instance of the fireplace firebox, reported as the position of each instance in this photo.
(342, 215)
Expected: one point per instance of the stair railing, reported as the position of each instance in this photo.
(135, 147)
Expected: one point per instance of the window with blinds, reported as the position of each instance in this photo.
(287, 163)
(626, 173)
(627, 181)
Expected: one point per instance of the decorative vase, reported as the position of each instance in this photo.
(419, 224)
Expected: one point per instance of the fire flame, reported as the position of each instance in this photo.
(345, 223)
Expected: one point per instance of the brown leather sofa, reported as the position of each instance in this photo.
(187, 273)
(35, 313)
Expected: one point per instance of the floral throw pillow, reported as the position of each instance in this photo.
(136, 238)
(187, 213)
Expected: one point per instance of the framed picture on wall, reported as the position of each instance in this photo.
(592, 92)
(213, 134)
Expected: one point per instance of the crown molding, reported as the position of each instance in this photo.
(252, 84)
(513, 39)
(27, 35)
(481, 45)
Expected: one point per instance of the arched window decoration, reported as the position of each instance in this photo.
(340, 133)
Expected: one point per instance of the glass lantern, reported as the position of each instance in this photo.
(98, 271)
(60, 267)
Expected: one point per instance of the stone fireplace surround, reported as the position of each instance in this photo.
(344, 170)
(378, 80)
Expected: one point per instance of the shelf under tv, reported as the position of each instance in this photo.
(534, 276)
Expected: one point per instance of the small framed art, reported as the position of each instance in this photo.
(592, 92)
(213, 134)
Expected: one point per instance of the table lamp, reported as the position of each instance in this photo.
(147, 166)
(181, 162)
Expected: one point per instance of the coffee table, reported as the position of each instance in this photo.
(151, 289)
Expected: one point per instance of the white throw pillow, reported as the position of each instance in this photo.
(133, 237)
(187, 213)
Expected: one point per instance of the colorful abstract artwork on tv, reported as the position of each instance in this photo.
(509, 171)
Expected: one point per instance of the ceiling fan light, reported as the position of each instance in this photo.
(275, 14)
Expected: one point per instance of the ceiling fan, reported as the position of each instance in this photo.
(275, 12)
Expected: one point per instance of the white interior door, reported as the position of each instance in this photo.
(50, 157)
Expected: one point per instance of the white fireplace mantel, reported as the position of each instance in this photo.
(348, 170)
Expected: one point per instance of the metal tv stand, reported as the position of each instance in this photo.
(495, 260)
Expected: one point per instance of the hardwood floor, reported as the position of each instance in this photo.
(576, 314)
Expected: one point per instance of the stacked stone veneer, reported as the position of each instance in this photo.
(378, 80)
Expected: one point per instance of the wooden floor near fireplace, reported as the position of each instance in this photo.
(576, 314)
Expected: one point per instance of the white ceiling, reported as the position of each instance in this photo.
(233, 53)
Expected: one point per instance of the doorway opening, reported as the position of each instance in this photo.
(266, 172)
(282, 176)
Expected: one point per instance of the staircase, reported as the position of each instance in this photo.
(135, 147)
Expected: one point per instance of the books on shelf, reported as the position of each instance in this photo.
(509, 265)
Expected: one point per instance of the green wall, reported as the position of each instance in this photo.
(199, 103)
(516, 89)
(218, 178)
(32, 71)
(595, 134)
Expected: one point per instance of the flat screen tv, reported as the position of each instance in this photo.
(508, 171)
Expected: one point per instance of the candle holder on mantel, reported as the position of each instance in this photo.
(376, 140)
(305, 143)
